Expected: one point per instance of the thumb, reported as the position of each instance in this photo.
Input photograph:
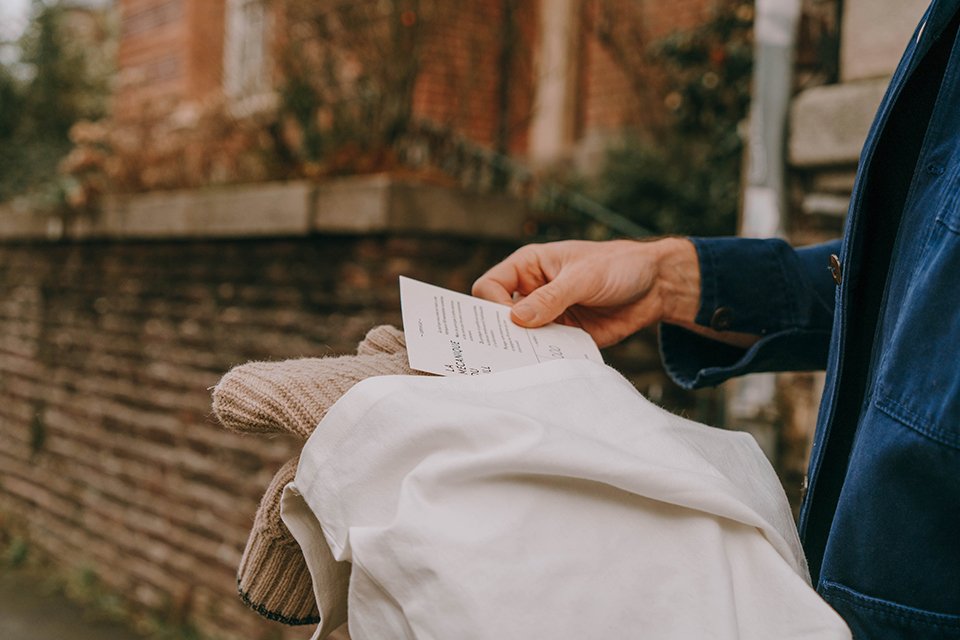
(543, 305)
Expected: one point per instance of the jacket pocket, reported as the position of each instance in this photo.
(879, 619)
(918, 381)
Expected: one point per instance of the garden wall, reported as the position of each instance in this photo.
(113, 328)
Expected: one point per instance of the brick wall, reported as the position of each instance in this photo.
(107, 350)
(460, 75)
(204, 43)
(108, 452)
(620, 88)
(172, 51)
(169, 51)
(610, 100)
(460, 82)
(661, 18)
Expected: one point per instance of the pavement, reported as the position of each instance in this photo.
(31, 610)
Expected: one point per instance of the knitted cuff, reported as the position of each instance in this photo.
(273, 578)
(294, 395)
(382, 339)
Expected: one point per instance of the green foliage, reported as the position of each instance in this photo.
(85, 587)
(52, 86)
(38, 434)
(686, 178)
(17, 552)
(11, 104)
(159, 629)
(349, 72)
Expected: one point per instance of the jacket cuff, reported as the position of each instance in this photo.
(746, 285)
(694, 361)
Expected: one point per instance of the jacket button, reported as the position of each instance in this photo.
(835, 269)
(722, 319)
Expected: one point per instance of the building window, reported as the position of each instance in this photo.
(247, 64)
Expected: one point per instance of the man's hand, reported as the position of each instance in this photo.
(609, 289)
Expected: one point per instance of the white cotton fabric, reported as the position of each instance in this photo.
(551, 501)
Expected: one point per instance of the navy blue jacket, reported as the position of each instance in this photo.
(880, 520)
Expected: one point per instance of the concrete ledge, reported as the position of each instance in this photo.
(17, 221)
(875, 34)
(825, 204)
(355, 205)
(371, 204)
(829, 124)
(247, 210)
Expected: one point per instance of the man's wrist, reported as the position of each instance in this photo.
(678, 280)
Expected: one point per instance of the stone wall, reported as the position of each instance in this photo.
(113, 330)
(829, 123)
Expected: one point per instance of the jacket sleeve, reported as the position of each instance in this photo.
(764, 287)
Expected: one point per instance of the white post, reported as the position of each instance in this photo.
(551, 128)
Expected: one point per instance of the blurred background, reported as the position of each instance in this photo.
(186, 185)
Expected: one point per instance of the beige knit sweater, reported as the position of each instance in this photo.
(292, 397)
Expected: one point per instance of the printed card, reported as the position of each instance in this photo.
(450, 334)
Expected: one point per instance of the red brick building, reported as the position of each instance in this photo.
(538, 79)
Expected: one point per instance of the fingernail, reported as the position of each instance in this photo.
(524, 313)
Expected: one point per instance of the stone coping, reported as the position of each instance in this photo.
(355, 205)
(874, 34)
(829, 124)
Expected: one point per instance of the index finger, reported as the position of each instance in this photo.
(498, 283)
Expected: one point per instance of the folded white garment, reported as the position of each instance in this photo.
(551, 501)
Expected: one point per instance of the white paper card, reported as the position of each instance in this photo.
(450, 333)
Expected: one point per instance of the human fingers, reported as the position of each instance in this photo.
(511, 275)
(544, 304)
(493, 290)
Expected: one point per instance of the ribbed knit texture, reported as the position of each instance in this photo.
(292, 396)
(273, 578)
(382, 339)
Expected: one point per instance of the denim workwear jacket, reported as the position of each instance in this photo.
(880, 310)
